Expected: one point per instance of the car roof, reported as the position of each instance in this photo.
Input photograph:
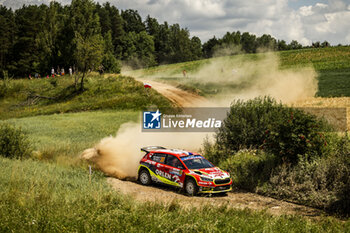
(176, 152)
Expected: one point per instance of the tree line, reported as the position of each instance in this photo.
(86, 35)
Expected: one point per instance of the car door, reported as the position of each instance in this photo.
(174, 168)
(159, 158)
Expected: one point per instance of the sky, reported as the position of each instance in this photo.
(306, 21)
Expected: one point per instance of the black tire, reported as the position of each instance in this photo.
(191, 187)
(144, 177)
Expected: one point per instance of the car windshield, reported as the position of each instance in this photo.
(196, 162)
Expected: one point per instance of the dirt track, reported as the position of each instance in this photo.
(239, 200)
(180, 97)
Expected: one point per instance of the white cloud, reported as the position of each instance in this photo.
(306, 11)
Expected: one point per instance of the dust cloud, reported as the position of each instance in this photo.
(243, 77)
(248, 79)
(235, 78)
(120, 156)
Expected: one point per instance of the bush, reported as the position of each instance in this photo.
(13, 142)
(249, 168)
(322, 182)
(262, 123)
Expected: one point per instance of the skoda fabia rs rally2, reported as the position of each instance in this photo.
(183, 169)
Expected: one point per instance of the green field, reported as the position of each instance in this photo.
(46, 197)
(19, 98)
(66, 135)
(331, 64)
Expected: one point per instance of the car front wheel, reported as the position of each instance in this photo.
(144, 177)
(191, 187)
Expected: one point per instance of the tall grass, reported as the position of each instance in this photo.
(64, 136)
(46, 197)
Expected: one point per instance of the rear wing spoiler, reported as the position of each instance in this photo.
(147, 149)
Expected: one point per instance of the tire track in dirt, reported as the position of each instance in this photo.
(179, 97)
(238, 200)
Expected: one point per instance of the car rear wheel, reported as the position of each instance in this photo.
(144, 177)
(191, 187)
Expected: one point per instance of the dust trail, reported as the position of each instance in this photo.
(249, 79)
(244, 77)
(119, 156)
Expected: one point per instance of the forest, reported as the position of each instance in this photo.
(88, 36)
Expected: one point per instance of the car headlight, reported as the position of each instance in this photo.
(206, 179)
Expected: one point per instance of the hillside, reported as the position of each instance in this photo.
(23, 98)
(332, 66)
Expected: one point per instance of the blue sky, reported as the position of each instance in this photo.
(304, 20)
(296, 4)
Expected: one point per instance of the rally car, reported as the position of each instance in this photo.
(183, 169)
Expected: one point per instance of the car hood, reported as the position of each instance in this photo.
(213, 172)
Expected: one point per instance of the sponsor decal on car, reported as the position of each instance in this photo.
(163, 174)
(191, 157)
(175, 172)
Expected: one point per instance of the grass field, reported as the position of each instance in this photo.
(331, 64)
(46, 197)
(18, 98)
(66, 135)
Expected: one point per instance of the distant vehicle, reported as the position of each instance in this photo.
(183, 169)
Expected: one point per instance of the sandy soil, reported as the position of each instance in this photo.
(180, 97)
(238, 200)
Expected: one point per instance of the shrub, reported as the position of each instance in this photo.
(249, 168)
(322, 182)
(262, 123)
(13, 142)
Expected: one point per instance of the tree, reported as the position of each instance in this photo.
(266, 42)
(248, 42)
(7, 37)
(27, 51)
(87, 40)
(196, 48)
(132, 21)
(112, 22)
(88, 54)
(316, 44)
(139, 50)
(50, 36)
(325, 44)
(109, 62)
(208, 47)
(295, 45)
(282, 45)
(181, 44)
